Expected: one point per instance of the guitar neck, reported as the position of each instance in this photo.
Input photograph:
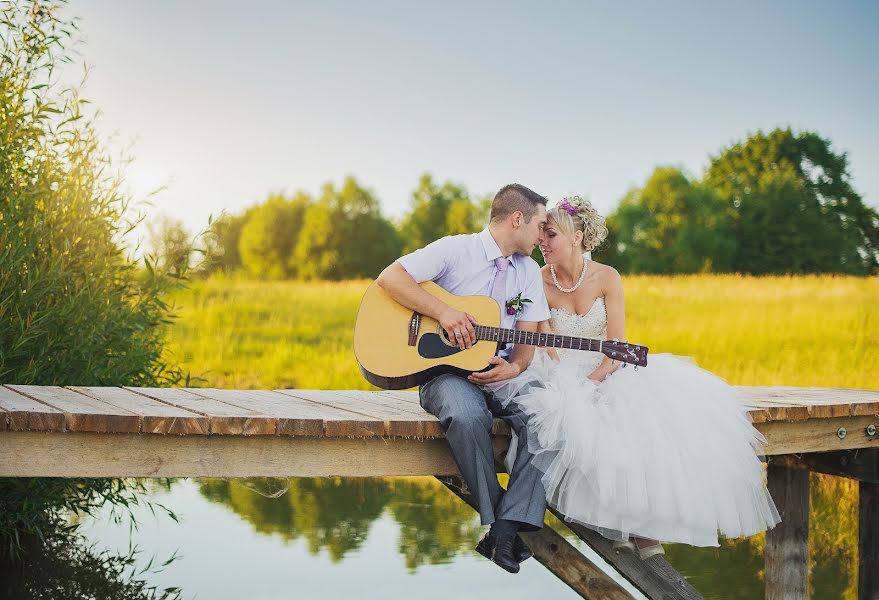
(534, 338)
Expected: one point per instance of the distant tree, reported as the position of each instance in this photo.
(671, 225)
(344, 236)
(440, 210)
(171, 244)
(269, 236)
(797, 211)
(222, 242)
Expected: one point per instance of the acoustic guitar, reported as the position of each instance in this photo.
(397, 348)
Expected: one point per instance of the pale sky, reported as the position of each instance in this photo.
(225, 102)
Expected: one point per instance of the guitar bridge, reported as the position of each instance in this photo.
(414, 325)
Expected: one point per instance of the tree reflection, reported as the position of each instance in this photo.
(335, 514)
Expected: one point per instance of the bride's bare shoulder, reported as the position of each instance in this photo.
(605, 272)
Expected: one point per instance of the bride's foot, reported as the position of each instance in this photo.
(624, 547)
(647, 548)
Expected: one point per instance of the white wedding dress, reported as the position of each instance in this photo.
(664, 452)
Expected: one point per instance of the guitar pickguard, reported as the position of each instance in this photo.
(432, 345)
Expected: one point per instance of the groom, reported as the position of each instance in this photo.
(495, 262)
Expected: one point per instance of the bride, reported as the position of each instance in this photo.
(664, 452)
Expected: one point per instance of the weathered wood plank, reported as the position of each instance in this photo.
(46, 454)
(295, 415)
(224, 419)
(397, 423)
(868, 541)
(817, 435)
(787, 544)
(557, 554)
(384, 400)
(156, 417)
(81, 412)
(26, 414)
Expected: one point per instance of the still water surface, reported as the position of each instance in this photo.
(371, 538)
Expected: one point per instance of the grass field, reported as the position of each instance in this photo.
(802, 331)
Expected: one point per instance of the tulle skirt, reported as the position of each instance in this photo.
(665, 452)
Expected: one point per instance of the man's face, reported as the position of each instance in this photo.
(532, 231)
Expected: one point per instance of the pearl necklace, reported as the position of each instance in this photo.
(576, 285)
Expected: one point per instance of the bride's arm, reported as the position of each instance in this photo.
(616, 319)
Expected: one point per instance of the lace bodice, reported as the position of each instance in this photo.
(593, 324)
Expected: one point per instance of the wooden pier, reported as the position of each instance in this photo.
(198, 432)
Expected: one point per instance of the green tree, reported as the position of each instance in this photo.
(797, 210)
(671, 225)
(270, 234)
(344, 236)
(222, 240)
(441, 210)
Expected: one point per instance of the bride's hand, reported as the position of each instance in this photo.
(596, 376)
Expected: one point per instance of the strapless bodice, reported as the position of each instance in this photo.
(592, 324)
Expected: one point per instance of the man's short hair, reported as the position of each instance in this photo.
(513, 197)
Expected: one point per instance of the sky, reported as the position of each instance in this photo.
(221, 103)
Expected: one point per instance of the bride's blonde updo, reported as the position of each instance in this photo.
(577, 214)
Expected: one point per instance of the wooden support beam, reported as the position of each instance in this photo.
(868, 541)
(654, 577)
(787, 545)
(556, 554)
(861, 464)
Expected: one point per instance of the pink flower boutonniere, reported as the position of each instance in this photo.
(516, 304)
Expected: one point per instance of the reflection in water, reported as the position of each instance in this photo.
(335, 517)
(335, 514)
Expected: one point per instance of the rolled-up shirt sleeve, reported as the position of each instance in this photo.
(538, 309)
(431, 262)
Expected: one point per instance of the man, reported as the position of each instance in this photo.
(495, 262)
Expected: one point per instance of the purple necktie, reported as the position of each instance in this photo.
(499, 288)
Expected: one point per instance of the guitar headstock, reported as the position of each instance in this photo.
(634, 354)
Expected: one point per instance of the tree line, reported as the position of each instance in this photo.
(780, 202)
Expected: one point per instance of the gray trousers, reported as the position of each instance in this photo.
(465, 412)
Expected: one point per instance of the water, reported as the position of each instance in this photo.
(387, 538)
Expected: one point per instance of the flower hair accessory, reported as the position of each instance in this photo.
(568, 206)
(516, 304)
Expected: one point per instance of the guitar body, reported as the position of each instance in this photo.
(397, 349)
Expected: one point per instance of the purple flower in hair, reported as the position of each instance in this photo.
(568, 207)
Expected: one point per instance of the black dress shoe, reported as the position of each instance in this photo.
(500, 552)
(521, 551)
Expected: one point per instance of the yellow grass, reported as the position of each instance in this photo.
(803, 331)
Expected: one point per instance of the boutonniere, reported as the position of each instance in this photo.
(516, 304)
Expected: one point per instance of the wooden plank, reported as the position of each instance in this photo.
(787, 544)
(386, 401)
(411, 397)
(224, 419)
(817, 435)
(868, 540)
(295, 415)
(81, 412)
(156, 417)
(26, 414)
(397, 423)
(556, 554)
(42, 454)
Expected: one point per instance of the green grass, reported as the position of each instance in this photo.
(802, 331)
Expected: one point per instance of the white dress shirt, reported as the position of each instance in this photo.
(464, 265)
